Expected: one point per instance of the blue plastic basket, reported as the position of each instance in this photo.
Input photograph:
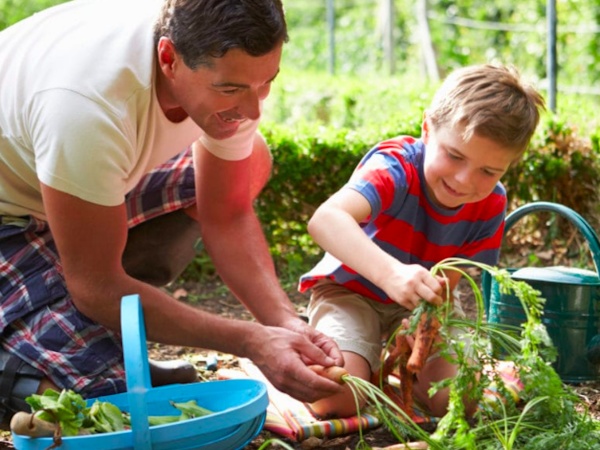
(239, 406)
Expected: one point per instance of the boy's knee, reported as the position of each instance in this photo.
(338, 406)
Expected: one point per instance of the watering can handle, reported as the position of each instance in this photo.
(566, 212)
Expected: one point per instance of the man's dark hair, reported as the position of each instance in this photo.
(205, 29)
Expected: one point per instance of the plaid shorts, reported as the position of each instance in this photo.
(38, 321)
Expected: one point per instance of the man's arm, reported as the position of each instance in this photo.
(90, 240)
(232, 233)
(234, 238)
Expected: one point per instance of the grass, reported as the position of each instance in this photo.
(382, 100)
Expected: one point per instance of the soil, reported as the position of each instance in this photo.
(215, 298)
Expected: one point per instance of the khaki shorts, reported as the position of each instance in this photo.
(357, 323)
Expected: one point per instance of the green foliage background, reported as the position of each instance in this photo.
(319, 125)
(463, 32)
(12, 11)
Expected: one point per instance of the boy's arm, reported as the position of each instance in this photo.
(335, 227)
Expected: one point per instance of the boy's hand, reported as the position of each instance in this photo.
(412, 283)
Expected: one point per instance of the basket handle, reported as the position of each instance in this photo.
(576, 219)
(137, 370)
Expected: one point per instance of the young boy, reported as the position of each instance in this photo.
(410, 204)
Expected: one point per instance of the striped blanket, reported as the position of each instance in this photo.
(292, 419)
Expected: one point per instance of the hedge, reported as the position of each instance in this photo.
(312, 162)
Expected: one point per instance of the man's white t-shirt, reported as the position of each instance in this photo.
(78, 106)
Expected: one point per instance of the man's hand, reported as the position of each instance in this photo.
(330, 353)
(282, 356)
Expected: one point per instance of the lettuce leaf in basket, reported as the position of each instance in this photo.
(70, 411)
(106, 417)
(65, 408)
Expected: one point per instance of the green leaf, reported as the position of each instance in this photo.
(191, 409)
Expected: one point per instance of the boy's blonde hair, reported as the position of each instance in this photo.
(490, 101)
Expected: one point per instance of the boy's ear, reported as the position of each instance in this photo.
(425, 128)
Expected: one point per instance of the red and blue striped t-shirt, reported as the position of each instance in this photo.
(407, 224)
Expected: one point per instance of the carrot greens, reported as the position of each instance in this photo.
(545, 414)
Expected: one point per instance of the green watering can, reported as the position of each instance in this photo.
(572, 308)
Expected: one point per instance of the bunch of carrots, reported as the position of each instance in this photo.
(409, 360)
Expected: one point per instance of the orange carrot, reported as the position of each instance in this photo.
(334, 373)
(425, 335)
(406, 378)
(388, 365)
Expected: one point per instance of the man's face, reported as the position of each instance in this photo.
(220, 97)
(459, 171)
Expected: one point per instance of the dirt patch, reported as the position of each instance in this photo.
(215, 298)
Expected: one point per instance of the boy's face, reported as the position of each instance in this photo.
(459, 171)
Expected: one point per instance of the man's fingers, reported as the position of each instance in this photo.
(328, 347)
(303, 384)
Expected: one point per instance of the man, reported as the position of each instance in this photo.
(128, 130)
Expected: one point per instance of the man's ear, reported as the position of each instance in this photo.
(167, 56)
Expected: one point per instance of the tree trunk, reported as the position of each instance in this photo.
(427, 48)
